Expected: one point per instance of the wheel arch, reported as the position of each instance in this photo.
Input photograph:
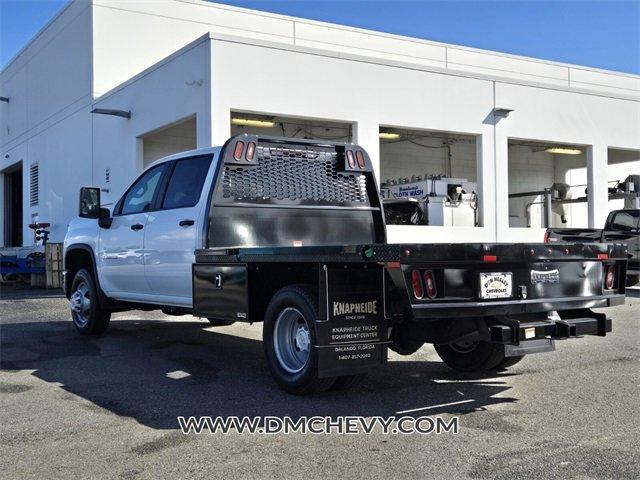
(272, 277)
(77, 256)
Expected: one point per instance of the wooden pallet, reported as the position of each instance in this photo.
(53, 265)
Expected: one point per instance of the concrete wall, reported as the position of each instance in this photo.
(47, 119)
(126, 41)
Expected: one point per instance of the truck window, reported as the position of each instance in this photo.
(186, 182)
(625, 221)
(140, 195)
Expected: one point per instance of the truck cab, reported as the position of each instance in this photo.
(143, 248)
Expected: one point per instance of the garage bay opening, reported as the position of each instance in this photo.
(173, 138)
(429, 178)
(547, 185)
(12, 179)
(623, 179)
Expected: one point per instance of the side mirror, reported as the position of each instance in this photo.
(89, 202)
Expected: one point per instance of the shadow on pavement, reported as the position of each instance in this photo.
(125, 372)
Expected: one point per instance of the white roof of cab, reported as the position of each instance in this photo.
(185, 154)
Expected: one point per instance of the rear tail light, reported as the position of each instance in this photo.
(360, 158)
(609, 277)
(416, 284)
(430, 284)
(547, 234)
(237, 151)
(251, 150)
(351, 159)
(490, 258)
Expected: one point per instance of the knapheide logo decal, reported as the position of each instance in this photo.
(347, 308)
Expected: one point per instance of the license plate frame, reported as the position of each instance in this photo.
(495, 285)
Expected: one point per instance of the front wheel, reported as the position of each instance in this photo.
(475, 356)
(289, 336)
(88, 317)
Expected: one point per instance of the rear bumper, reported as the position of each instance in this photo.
(511, 307)
(516, 333)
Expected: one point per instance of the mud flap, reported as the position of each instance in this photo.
(351, 332)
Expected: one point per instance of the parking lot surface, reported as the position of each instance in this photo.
(107, 407)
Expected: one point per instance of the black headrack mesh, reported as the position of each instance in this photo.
(285, 174)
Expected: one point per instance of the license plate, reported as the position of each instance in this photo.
(496, 285)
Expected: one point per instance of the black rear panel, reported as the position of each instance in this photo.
(293, 193)
(232, 226)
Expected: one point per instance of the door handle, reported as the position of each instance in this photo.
(137, 226)
(186, 223)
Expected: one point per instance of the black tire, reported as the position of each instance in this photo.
(401, 344)
(508, 362)
(471, 356)
(347, 382)
(216, 322)
(87, 316)
(298, 302)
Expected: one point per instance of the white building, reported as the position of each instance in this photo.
(185, 68)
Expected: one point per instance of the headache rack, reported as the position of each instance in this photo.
(272, 191)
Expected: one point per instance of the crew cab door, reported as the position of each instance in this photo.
(174, 230)
(120, 247)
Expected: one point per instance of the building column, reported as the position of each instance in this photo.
(498, 198)
(597, 193)
(366, 134)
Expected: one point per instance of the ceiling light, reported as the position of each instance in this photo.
(389, 136)
(252, 122)
(564, 150)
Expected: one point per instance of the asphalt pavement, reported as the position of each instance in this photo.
(107, 407)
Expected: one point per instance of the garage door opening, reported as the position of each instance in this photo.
(547, 185)
(429, 178)
(173, 138)
(623, 177)
(291, 127)
(12, 183)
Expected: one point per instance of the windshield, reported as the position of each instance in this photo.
(626, 221)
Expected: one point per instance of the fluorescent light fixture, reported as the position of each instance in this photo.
(252, 122)
(564, 150)
(388, 136)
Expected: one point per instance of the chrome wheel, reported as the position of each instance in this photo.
(464, 347)
(292, 340)
(81, 304)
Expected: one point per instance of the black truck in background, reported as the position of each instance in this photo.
(621, 226)
(291, 233)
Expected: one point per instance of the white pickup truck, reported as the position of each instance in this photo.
(291, 233)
